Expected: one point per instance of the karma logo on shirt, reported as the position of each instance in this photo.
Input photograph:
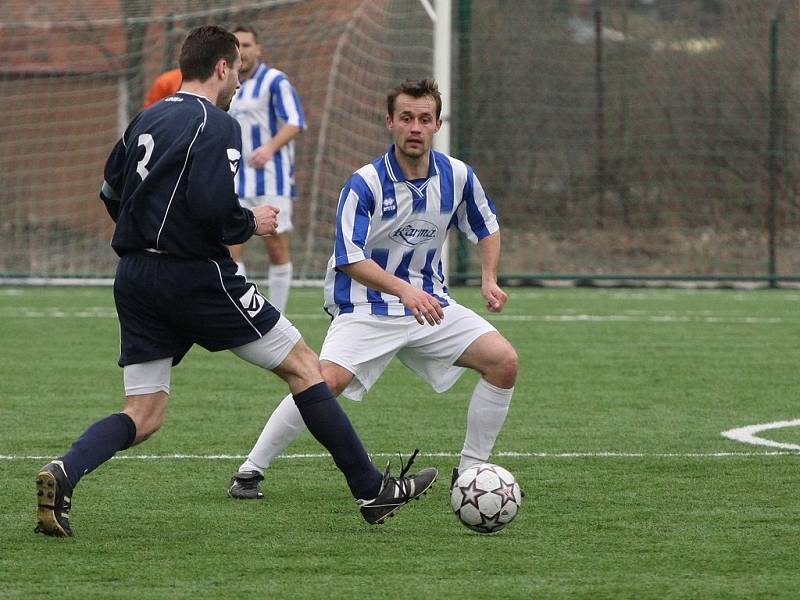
(414, 233)
(252, 301)
(233, 158)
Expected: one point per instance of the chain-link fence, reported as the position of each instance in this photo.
(644, 138)
(618, 138)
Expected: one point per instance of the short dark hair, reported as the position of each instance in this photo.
(416, 88)
(247, 29)
(203, 48)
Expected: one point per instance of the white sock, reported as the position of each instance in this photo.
(485, 417)
(240, 270)
(284, 426)
(279, 279)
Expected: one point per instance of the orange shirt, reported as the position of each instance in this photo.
(165, 85)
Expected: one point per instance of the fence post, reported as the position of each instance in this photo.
(169, 43)
(600, 112)
(772, 156)
(461, 150)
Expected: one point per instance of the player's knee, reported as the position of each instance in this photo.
(503, 370)
(512, 365)
(335, 376)
(307, 360)
(300, 369)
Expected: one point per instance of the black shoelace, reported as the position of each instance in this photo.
(402, 482)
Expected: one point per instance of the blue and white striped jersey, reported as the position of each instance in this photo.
(402, 225)
(263, 104)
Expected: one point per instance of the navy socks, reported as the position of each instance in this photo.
(97, 444)
(329, 424)
(323, 416)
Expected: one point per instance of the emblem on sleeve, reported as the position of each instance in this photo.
(233, 159)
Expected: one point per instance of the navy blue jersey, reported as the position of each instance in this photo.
(169, 182)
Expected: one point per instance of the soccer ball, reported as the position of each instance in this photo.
(486, 498)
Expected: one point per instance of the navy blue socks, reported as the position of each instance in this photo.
(97, 444)
(329, 424)
(321, 412)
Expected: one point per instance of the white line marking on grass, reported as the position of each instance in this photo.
(748, 435)
(322, 455)
(631, 317)
(635, 318)
(93, 312)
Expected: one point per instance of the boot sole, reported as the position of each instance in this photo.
(237, 497)
(45, 497)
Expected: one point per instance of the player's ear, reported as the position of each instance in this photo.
(221, 68)
(389, 121)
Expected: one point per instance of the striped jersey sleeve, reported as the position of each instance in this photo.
(353, 214)
(286, 103)
(476, 214)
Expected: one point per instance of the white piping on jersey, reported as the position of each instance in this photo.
(389, 170)
(419, 189)
(411, 186)
(195, 95)
(180, 175)
(222, 285)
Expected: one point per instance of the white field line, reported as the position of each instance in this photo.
(748, 435)
(632, 316)
(543, 455)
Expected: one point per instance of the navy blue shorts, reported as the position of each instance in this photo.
(166, 304)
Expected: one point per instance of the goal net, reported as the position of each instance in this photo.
(618, 138)
(73, 73)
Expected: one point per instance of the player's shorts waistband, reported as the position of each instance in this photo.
(155, 253)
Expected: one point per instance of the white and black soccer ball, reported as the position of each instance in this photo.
(486, 498)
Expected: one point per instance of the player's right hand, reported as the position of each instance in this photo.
(424, 306)
(266, 219)
(260, 157)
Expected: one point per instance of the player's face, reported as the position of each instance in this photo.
(250, 51)
(230, 85)
(413, 124)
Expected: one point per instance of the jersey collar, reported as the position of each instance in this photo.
(262, 66)
(195, 95)
(396, 173)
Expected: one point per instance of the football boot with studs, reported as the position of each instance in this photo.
(396, 492)
(54, 500)
(246, 485)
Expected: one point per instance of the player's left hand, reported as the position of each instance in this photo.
(260, 157)
(496, 298)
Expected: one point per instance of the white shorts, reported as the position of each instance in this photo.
(284, 203)
(267, 352)
(364, 344)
